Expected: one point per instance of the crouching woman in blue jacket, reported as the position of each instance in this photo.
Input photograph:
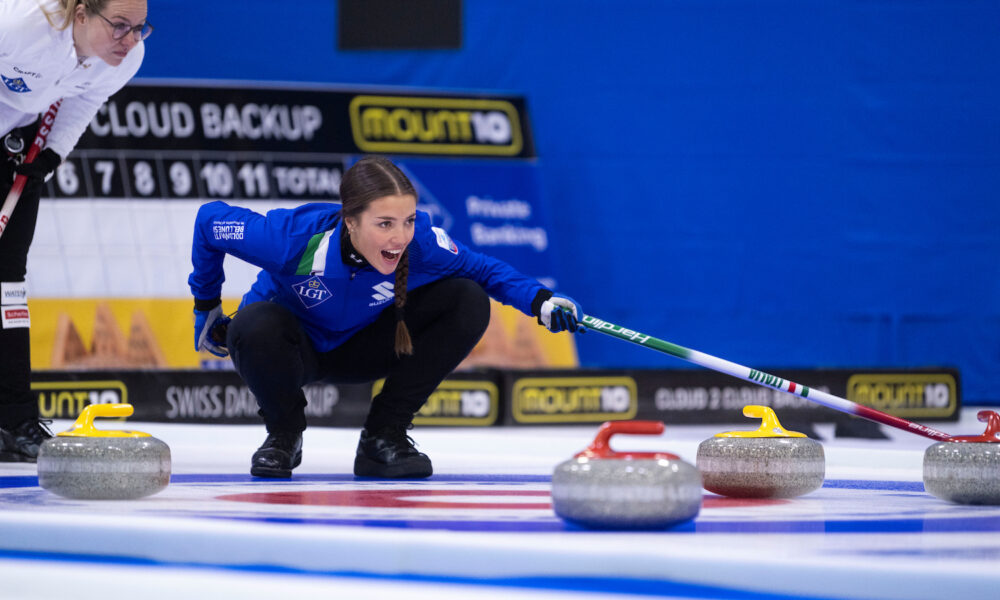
(350, 294)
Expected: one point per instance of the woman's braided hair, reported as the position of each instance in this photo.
(369, 179)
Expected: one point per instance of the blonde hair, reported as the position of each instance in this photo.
(60, 16)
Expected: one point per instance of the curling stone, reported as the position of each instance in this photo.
(603, 489)
(86, 463)
(768, 463)
(965, 469)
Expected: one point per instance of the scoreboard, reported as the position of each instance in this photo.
(210, 175)
(253, 143)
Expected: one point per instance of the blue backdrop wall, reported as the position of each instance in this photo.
(781, 183)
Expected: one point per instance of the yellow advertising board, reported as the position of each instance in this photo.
(118, 333)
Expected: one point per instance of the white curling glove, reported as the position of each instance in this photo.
(561, 313)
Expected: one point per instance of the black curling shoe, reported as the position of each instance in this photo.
(390, 453)
(277, 456)
(21, 443)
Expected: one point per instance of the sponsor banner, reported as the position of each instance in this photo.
(116, 334)
(906, 394)
(187, 397)
(436, 125)
(485, 397)
(492, 207)
(283, 118)
(128, 334)
(463, 399)
(206, 397)
(572, 397)
(701, 396)
(66, 398)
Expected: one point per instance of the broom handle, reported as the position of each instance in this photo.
(760, 378)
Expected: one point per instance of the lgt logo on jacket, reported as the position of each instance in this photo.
(15, 84)
(312, 292)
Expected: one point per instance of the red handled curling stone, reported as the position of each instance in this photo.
(965, 469)
(768, 463)
(603, 489)
(85, 463)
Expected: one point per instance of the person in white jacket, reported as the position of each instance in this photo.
(80, 52)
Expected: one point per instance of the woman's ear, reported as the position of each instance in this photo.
(80, 15)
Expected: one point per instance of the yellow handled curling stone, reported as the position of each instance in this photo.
(86, 463)
(770, 462)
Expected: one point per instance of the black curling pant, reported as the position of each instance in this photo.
(16, 401)
(275, 357)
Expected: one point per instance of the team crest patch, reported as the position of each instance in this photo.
(15, 84)
(312, 292)
(444, 240)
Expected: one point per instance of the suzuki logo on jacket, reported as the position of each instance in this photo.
(384, 292)
(312, 292)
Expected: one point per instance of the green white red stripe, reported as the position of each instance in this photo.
(313, 261)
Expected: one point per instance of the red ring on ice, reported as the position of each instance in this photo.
(394, 498)
(412, 498)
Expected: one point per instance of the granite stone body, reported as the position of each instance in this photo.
(103, 468)
(963, 472)
(761, 467)
(621, 493)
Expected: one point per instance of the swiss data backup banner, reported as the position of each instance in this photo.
(112, 257)
(220, 397)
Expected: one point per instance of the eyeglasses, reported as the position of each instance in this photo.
(121, 29)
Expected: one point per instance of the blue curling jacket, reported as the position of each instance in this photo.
(299, 253)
